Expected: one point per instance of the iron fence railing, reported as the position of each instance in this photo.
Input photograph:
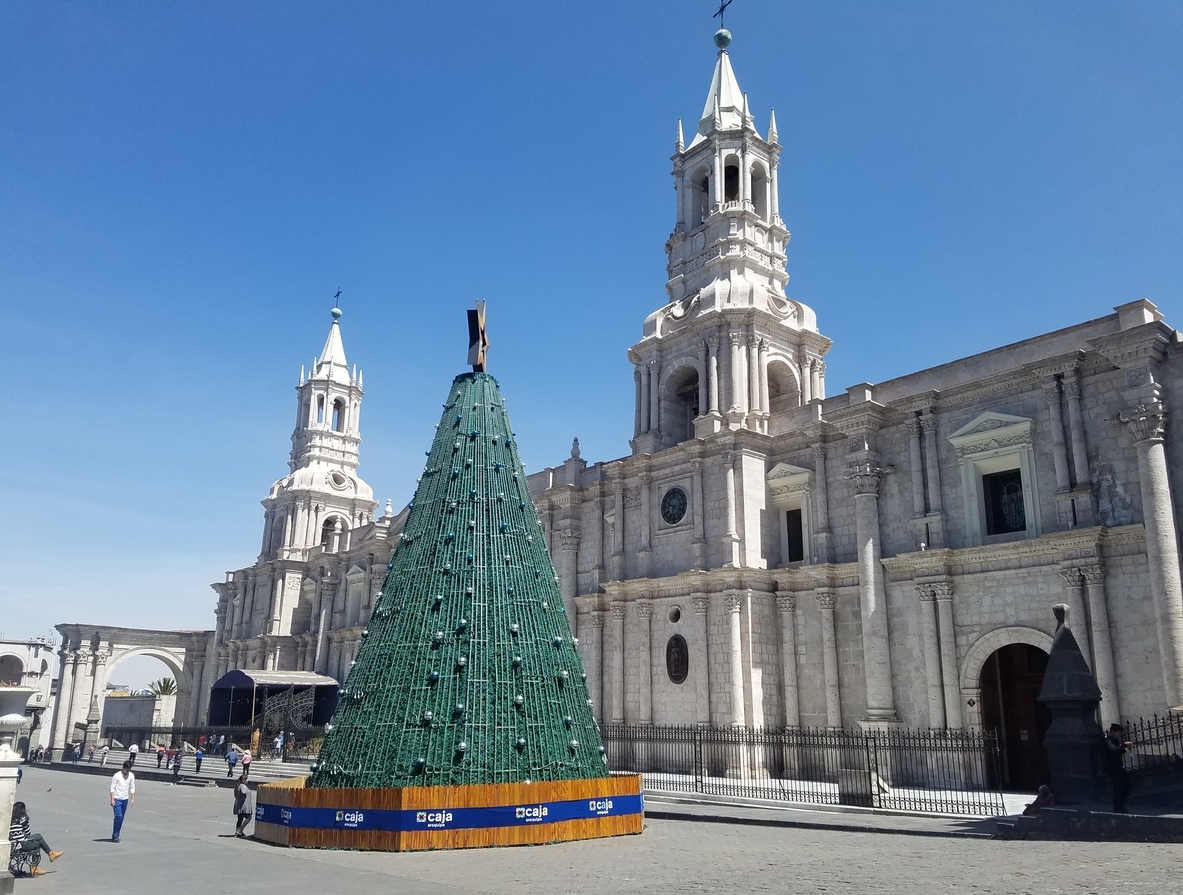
(1157, 741)
(949, 772)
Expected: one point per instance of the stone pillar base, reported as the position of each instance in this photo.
(708, 424)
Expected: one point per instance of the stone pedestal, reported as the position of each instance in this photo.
(1074, 737)
(12, 720)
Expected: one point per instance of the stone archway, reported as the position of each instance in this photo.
(1000, 682)
(90, 652)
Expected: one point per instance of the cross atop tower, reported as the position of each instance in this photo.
(723, 4)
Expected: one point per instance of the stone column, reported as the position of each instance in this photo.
(700, 538)
(70, 687)
(928, 422)
(569, 545)
(618, 530)
(325, 588)
(754, 374)
(64, 671)
(737, 389)
(872, 598)
(806, 380)
(645, 554)
(637, 395)
(735, 655)
(617, 664)
(713, 374)
(913, 427)
(595, 674)
(700, 665)
(1080, 460)
(1094, 581)
(645, 660)
(598, 532)
(819, 381)
(1077, 619)
(944, 596)
(195, 695)
(731, 538)
(654, 396)
(702, 377)
(1051, 391)
(645, 402)
(823, 544)
(787, 605)
(826, 599)
(763, 380)
(932, 656)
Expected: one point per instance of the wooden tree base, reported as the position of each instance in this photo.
(289, 812)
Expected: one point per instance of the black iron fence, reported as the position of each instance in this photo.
(1157, 741)
(950, 772)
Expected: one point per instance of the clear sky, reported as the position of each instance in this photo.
(184, 185)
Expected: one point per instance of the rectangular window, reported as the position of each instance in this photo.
(796, 536)
(1002, 493)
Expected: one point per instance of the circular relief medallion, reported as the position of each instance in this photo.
(673, 506)
(677, 658)
(339, 480)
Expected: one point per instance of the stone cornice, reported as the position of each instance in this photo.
(1047, 550)
(687, 584)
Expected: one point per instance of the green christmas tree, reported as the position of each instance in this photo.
(468, 672)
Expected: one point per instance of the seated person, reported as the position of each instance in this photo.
(24, 840)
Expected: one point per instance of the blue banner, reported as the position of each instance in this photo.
(448, 818)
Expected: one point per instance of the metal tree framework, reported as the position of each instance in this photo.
(468, 672)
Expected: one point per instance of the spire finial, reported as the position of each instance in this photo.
(478, 340)
(722, 36)
(772, 134)
(336, 312)
(681, 144)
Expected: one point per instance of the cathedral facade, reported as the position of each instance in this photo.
(770, 554)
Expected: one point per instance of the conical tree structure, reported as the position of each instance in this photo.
(468, 672)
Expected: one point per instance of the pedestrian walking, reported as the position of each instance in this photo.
(221, 749)
(132, 751)
(90, 755)
(231, 760)
(106, 751)
(77, 752)
(123, 796)
(1116, 746)
(23, 839)
(177, 765)
(198, 756)
(161, 753)
(243, 807)
(246, 762)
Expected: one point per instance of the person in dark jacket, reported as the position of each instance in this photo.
(1116, 746)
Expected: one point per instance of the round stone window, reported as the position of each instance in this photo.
(677, 659)
(673, 506)
(675, 614)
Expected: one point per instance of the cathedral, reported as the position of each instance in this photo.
(773, 554)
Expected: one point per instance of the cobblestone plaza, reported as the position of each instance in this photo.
(181, 839)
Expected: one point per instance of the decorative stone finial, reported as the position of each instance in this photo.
(1060, 611)
(389, 512)
(575, 449)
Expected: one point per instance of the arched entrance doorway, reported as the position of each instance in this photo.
(1010, 681)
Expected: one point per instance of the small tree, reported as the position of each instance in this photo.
(166, 686)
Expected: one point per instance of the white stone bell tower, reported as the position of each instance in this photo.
(322, 500)
(730, 349)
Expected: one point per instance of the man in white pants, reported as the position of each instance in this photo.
(123, 795)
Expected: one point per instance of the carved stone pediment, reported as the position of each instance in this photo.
(787, 482)
(991, 431)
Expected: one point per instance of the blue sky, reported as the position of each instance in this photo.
(185, 185)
